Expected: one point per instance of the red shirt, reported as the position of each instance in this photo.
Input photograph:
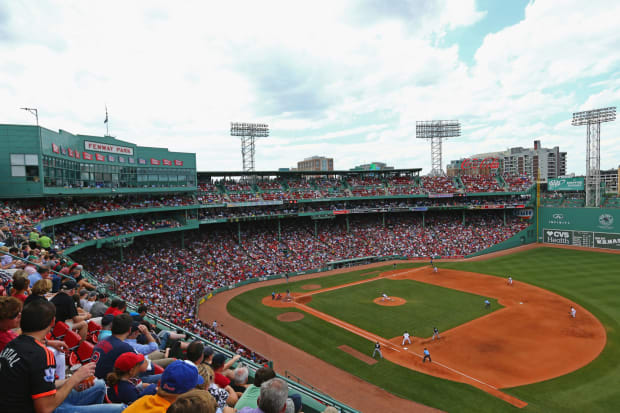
(113, 311)
(21, 297)
(6, 337)
(221, 380)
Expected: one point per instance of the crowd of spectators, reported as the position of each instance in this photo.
(481, 184)
(74, 233)
(517, 183)
(438, 184)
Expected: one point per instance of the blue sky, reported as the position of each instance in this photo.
(345, 79)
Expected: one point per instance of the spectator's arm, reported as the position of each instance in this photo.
(232, 361)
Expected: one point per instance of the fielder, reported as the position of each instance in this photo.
(377, 350)
(487, 304)
(435, 334)
(435, 268)
(573, 312)
(510, 281)
(406, 338)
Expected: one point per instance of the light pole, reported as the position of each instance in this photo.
(35, 112)
(593, 119)
(436, 130)
(248, 132)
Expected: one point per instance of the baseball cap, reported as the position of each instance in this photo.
(218, 360)
(92, 294)
(101, 295)
(128, 361)
(107, 319)
(208, 351)
(296, 401)
(180, 377)
(83, 291)
(134, 326)
(69, 285)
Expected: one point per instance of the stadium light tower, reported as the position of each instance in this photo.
(436, 130)
(593, 119)
(248, 132)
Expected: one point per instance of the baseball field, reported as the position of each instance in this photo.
(523, 353)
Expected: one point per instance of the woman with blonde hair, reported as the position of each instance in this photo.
(39, 289)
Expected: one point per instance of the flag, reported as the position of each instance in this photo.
(106, 115)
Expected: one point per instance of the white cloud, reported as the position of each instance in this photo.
(344, 79)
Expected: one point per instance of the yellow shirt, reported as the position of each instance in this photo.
(148, 404)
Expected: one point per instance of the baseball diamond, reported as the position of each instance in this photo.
(507, 353)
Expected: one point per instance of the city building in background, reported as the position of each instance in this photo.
(516, 161)
(316, 163)
(373, 166)
(609, 179)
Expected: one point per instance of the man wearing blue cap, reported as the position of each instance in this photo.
(178, 378)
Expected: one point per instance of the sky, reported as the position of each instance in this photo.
(342, 79)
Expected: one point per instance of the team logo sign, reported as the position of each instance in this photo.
(606, 220)
(558, 216)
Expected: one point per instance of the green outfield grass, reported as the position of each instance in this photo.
(427, 306)
(588, 278)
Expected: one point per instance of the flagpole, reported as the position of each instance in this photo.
(107, 124)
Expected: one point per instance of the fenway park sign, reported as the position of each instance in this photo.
(480, 163)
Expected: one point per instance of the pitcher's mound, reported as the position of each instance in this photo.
(392, 302)
(292, 316)
(310, 287)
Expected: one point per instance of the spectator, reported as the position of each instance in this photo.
(20, 288)
(194, 401)
(249, 398)
(90, 301)
(66, 309)
(39, 290)
(240, 379)
(117, 307)
(99, 307)
(150, 349)
(107, 351)
(106, 327)
(272, 399)
(178, 378)
(120, 387)
(27, 382)
(10, 316)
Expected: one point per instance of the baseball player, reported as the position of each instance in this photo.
(434, 268)
(487, 304)
(435, 334)
(427, 355)
(510, 281)
(377, 350)
(384, 297)
(573, 312)
(406, 338)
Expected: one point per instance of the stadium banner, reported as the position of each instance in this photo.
(341, 211)
(554, 236)
(418, 209)
(105, 147)
(440, 195)
(87, 156)
(606, 240)
(565, 184)
(587, 239)
(581, 219)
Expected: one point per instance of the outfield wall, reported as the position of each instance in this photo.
(582, 227)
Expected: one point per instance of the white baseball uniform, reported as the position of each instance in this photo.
(406, 338)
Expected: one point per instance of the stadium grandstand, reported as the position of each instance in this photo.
(141, 226)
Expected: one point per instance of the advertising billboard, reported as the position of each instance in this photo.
(565, 184)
